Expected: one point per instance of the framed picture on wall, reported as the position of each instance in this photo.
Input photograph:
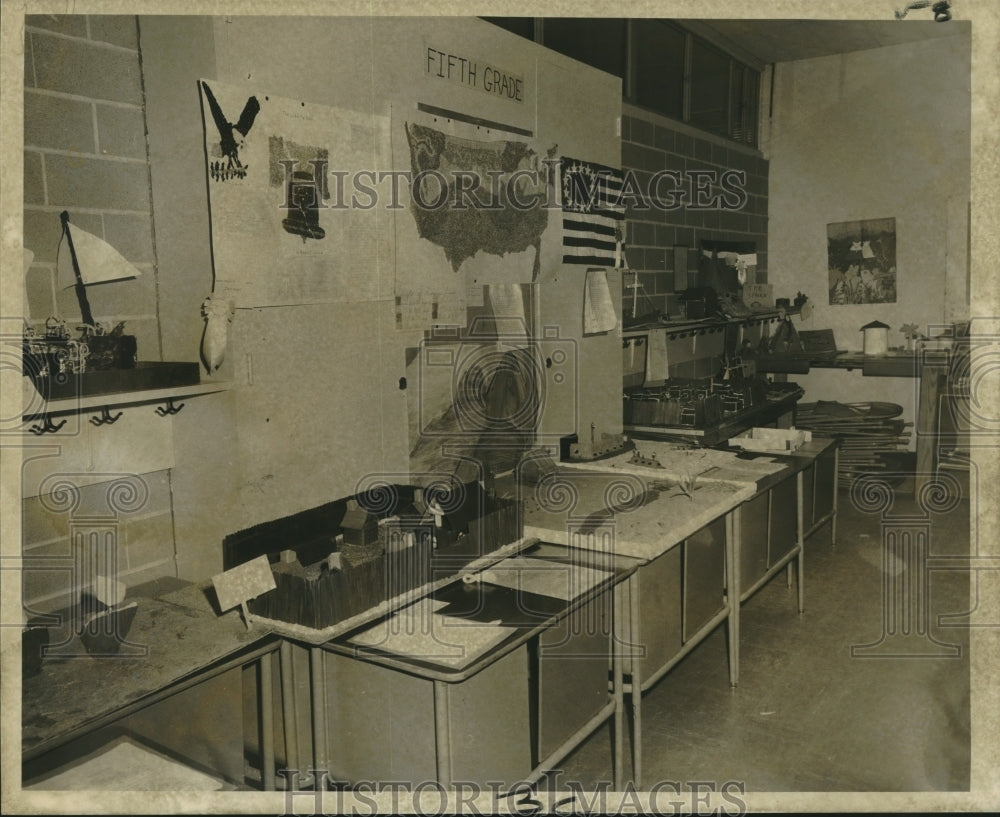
(862, 261)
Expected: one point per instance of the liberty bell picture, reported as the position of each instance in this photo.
(303, 198)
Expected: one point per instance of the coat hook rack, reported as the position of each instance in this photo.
(170, 408)
(48, 427)
(106, 418)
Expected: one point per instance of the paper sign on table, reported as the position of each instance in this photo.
(239, 584)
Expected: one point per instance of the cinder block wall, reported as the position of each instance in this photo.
(55, 538)
(651, 143)
(85, 152)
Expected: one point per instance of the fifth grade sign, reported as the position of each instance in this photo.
(474, 74)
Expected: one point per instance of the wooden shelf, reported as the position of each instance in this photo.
(702, 325)
(37, 407)
(895, 363)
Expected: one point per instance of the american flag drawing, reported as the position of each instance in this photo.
(592, 211)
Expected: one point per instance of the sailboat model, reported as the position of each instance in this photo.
(95, 262)
(100, 359)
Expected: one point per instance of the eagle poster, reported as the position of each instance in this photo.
(282, 233)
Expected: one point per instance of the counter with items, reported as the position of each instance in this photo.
(699, 379)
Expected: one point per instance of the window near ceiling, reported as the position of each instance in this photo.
(522, 26)
(744, 90)
(657, 58)
(597, 41)
(709, 105)
(664, 68)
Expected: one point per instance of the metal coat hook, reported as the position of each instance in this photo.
(105, 418)
(170, 408)
(48, 427)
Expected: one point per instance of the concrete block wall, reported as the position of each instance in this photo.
(52, 534)
(85, 152)
(651, 143)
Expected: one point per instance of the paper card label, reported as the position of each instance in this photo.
(758, 295)
(243, 582)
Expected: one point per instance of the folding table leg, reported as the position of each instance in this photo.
(266, 700)
(800, 525)
(635, 696)
(289, 714)
(318, 675)
(442, 728)
(619, 696)
(836, 488)
(733, 544)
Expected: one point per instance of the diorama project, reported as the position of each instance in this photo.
(358, 558)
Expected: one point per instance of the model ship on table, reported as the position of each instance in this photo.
(99, 360)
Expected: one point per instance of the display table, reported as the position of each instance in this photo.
(177, 641)
(493, 677)
(515, 678)
(710, 527)
(503, 669)
(685, 544)
(771, 534)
